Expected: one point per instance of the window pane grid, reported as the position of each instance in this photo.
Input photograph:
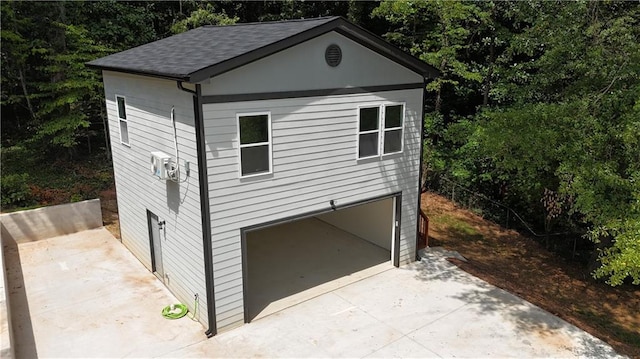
(380, 130)
(254, 160)
(393, 115)
(124, 132)
(369, 144)
(121, 109)
(254, 129)
(254, 139)
(369, 118)
(392, 141)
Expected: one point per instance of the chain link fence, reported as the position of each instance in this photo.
(484, 206)
(572, 244)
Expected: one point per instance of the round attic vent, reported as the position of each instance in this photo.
(333, 55)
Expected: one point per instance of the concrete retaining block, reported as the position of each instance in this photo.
(7, 350)
(34, 225)
(46, 222)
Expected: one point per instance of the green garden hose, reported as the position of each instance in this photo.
(174, 311)
(177, 311)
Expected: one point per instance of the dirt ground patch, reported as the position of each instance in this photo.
(524, 267)
(109, 206)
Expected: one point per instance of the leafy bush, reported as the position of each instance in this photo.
(14, 190)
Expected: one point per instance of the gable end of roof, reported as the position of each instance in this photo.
(234, 58)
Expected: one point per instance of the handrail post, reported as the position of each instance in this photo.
(423, 228)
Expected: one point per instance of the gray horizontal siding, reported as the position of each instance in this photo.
(149, 104)
(314, 161)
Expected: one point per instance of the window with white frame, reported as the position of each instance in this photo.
(122, 117)
(380, 130)
(369, 132)
(392, 132)
(255, 143)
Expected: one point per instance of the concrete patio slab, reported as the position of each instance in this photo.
(85, 295)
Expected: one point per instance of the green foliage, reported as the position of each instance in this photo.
(64, 99)
(14, 190)
(622, 260)
(572, 120)
(433, 156)
(202, 16)
(51, 98)
(535, 98)
(119, 25)
(16, 98)
(437, 32)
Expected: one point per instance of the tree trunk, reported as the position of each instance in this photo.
(438, 104)
(443, 64)
(547, 230)
(26, 94)
(23, 83)
(425, 170)
(487, 79)
(106, 132)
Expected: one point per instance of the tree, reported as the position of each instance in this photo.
(49, 97)
(451, 36)
(436, 32)
(16, 98)
(569, 120)
(204, 15)
(73, 94)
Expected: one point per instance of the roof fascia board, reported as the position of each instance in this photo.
(260, 96)
(140, 73)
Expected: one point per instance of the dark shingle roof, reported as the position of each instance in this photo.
(207, 51)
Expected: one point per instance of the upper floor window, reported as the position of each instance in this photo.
(122, 118)
(255, 143)
(380, 130)
(369, 132)
(393, 123)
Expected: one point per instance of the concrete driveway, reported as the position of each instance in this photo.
(427, 309)
(85, 295)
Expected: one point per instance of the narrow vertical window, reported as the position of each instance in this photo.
(122, 117)
(393, 123)
(368, 132)
(255, 143)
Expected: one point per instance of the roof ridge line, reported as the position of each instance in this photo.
(275, 22)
